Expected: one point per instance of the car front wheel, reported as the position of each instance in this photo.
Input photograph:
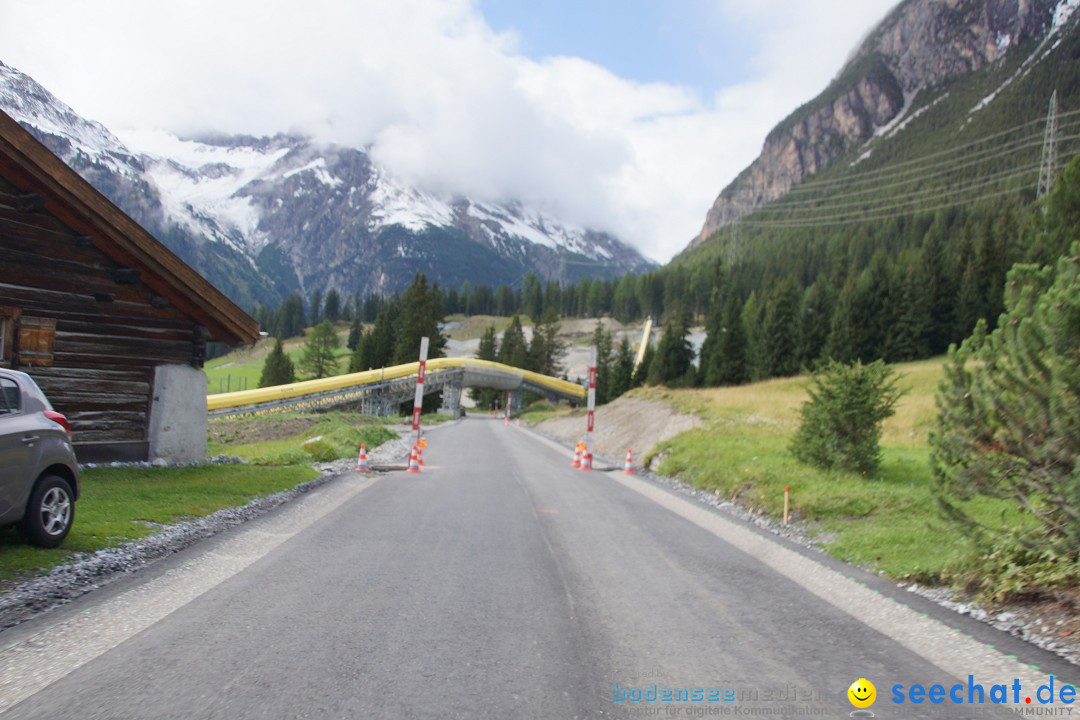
(49, 513)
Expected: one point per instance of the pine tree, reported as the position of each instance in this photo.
(356, 331)
(1009, 423)
(356, 357)
(278, 368)
(532, 297)
(968, 302)
(546, 350)
(848, 330)
(909, 338)
(751, 323)
(377, 347)
(939, 288)
(622, 370)
(601, 341)
(729, 366)
(332, 306)
(318, 358)
(1063, 210)
(421, 313)
(815, 315)
(779, 332)
(841, 422)
(714, 329)
(673, 364)
(513, 350)
(290, 320)
(485, 398)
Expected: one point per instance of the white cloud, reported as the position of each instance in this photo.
(439, 97)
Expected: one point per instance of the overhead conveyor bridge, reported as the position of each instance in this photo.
(380, 392)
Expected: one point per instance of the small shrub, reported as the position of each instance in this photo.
(321, 450)
(841, 422)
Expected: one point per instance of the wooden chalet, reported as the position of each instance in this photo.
(110, 323)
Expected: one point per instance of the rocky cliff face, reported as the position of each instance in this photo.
(922, 43)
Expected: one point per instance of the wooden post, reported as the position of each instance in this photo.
(787, 495)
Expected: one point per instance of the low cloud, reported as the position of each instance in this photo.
(439, 97)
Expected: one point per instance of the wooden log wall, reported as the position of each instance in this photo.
(112, 330)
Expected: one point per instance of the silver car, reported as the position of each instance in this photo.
(39, 476)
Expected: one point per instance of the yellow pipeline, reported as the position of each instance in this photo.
(313, 387)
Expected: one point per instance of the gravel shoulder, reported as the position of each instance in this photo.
(1051, 623)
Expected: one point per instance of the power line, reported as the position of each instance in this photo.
(871, 195)
(894, 167)
(1048, 167)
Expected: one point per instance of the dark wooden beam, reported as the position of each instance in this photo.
(125, 276)
(29, 203)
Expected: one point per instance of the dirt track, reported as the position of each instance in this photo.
(627, 423)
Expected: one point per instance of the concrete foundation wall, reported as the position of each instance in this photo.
(178, 415)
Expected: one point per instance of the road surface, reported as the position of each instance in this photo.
(498, 583)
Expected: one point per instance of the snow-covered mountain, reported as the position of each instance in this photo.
(265, 217)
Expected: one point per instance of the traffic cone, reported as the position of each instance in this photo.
(361, 460)
(577, 456)
(414, 464)
(422, 444)
(586, 460)
(419, 455)
(628, 468)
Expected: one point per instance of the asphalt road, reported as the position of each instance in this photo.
(498, 583)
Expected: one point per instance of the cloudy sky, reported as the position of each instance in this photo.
(623, 115)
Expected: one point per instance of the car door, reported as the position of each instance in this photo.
(16, 450)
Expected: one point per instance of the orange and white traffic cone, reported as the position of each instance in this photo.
(628, 468)
(420, 455)
(577, 456)
(361, 460)
(586, 460)
(414, 463)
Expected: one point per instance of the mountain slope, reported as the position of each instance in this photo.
(932, 76)
(266, 217)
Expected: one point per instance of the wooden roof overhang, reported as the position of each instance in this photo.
(46, 180)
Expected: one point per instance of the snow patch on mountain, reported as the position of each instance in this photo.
(200, 184)
(397, 204)
(317, 168)
(27, 102)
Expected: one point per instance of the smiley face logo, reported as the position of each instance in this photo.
(862, 693)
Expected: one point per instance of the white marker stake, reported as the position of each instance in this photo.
(591, 405)
(509, 401)
(418, 403)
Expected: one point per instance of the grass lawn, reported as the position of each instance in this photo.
(241, 369)
(887, 522)
(123, 504)
(298, 438)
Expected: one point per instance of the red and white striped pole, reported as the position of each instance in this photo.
(418, 402)
(592, 408)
